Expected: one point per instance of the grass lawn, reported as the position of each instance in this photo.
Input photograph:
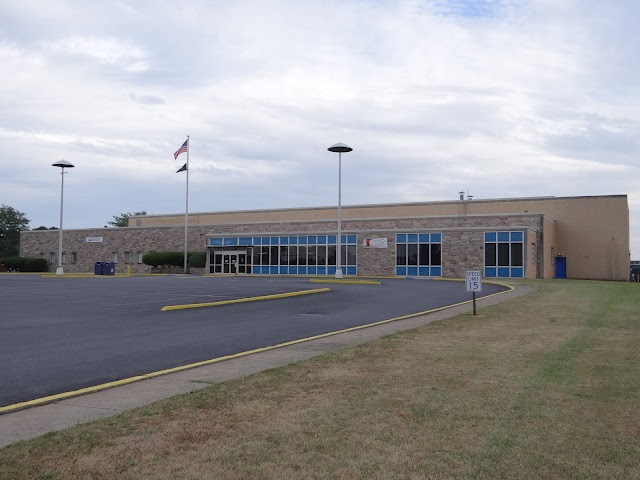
(544, 386)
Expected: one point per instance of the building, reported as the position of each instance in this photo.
(583, 237)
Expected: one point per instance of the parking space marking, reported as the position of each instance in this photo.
(247, 299)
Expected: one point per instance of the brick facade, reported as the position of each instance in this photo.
(462, 240)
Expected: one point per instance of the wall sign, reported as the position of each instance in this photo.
(94, 240)
(374, 243)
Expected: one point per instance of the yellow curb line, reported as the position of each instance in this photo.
(244, 300)
(20, 273)
(152, 274)
(125, 381)
(85, 275)
(127, 274)
(334, 280)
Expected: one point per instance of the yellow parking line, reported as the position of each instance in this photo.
(85, 275)
(337, 280)
(244, 300)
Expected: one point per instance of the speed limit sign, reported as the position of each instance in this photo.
(474, 281)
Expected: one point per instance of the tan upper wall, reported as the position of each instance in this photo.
(548, 248)
(548, 205)
(591, 231)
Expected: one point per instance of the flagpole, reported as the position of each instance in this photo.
(186, 211)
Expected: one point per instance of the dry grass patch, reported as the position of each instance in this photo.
(544, 386)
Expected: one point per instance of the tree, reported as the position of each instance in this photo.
(12, 222)
(42, 227)
(122, 220)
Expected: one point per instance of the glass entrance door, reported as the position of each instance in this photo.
(226, 263)
(229, 262)
(242, 263)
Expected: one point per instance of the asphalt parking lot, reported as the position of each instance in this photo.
(63, 334)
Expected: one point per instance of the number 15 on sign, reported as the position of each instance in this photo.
(474, 281)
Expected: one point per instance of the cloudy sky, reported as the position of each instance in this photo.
(501, 98)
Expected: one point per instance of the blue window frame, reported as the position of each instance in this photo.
(517, 236)
(419, 254)
(490, 272)
(306, 254)
(504, 254)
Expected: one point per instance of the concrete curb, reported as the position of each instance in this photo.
(33, 422)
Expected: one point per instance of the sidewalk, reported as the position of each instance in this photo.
(36, 421)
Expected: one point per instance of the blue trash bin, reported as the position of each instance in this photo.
(98, 268)
(108, 268)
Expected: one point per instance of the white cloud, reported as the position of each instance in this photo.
(106, 50)
(504, 98)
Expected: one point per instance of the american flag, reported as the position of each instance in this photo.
(182, 149)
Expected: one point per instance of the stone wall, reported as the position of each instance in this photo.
(462, 240)
(118, 240)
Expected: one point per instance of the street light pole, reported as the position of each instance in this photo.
(340, 148)
(61, 164)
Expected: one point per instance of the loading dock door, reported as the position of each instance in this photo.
(561, 267)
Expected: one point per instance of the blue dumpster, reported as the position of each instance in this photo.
(98, 268)
(108, 268)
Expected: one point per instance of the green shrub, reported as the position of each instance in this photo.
(13, 263)
(198, 259)
(33, 264)
(164, 259)
(25, 264)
